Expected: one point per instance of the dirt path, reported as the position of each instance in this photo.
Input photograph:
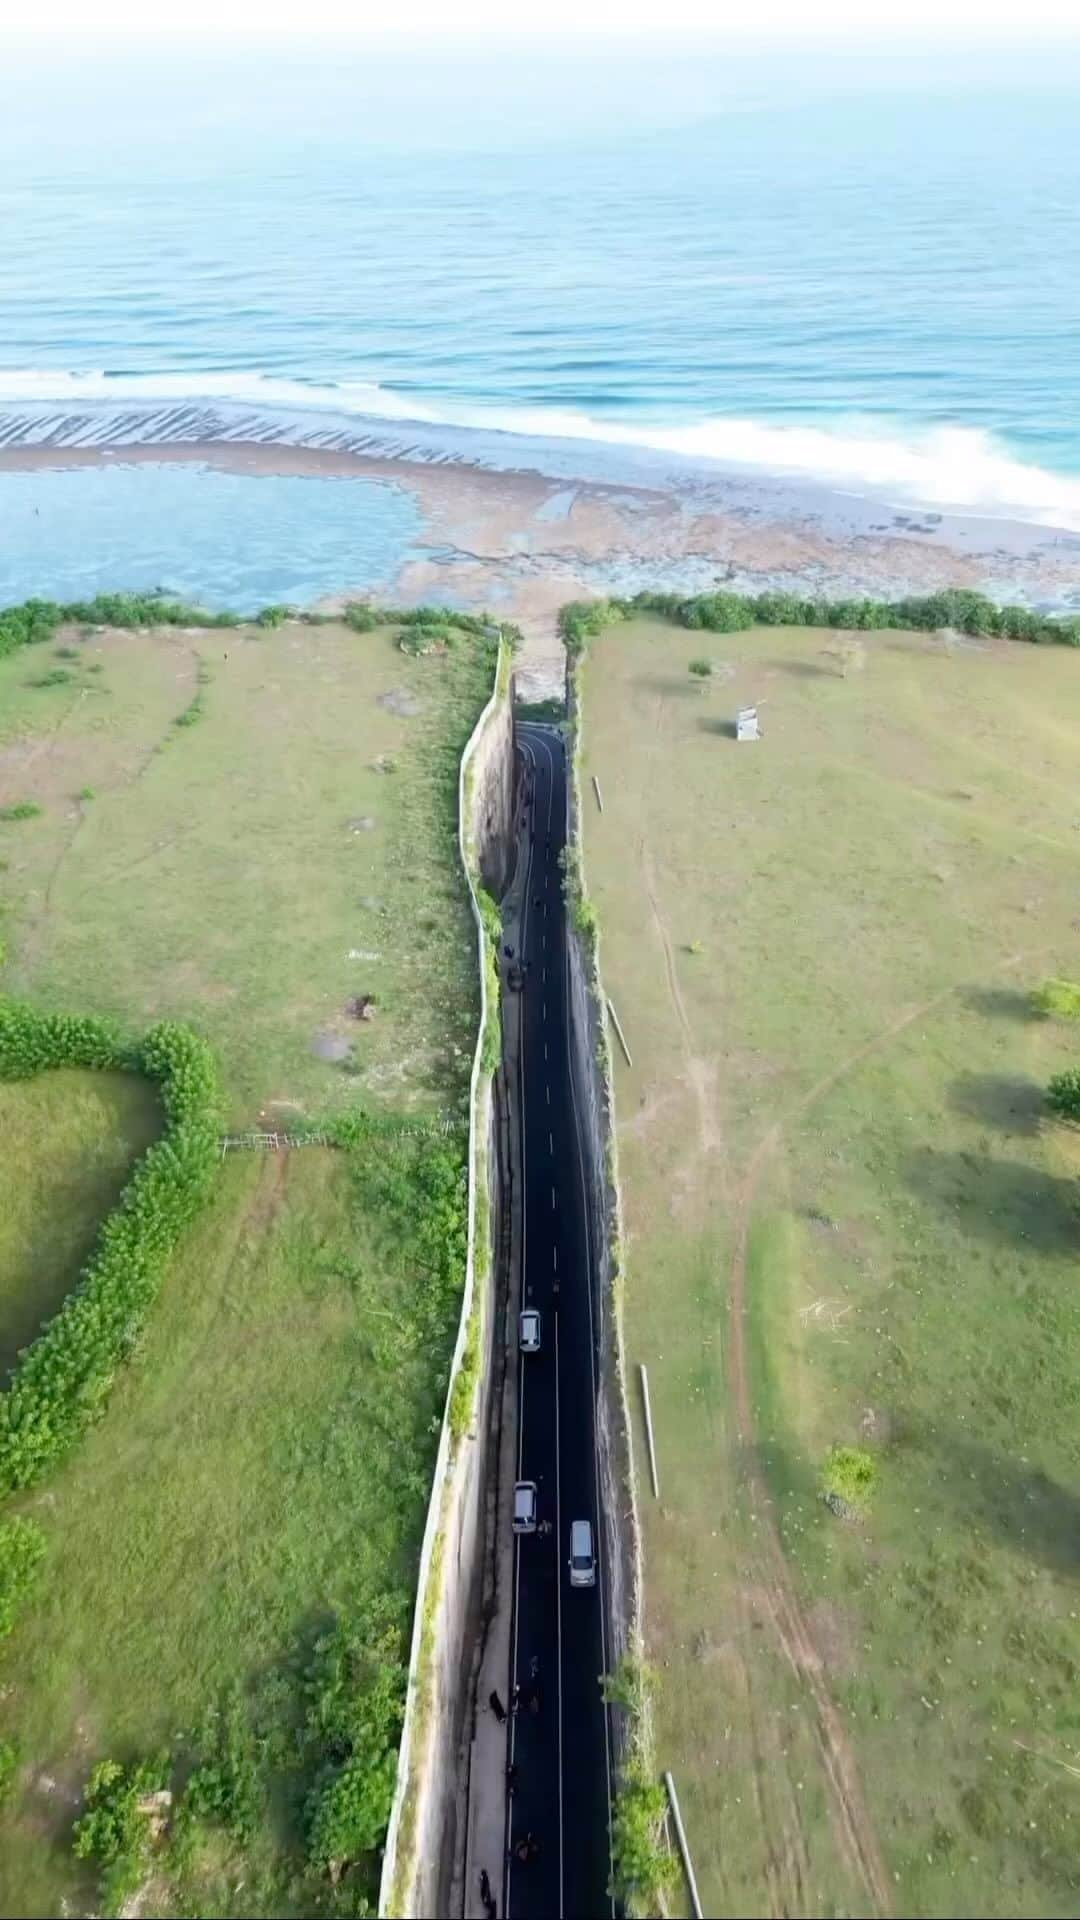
(856, 1831)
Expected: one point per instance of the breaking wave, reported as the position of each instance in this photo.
(944, 469)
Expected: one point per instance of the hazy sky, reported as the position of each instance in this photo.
(861, 18)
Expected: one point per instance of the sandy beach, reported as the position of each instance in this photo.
(520, 526)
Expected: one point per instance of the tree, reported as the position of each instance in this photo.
(1063, 1095)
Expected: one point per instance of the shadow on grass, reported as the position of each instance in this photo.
(1019, 1503)
(1000, 1200)
(802, 669)
(999, 1003)
(725, 729)
(1011, 1104)
(279, 1693)
(669, 683)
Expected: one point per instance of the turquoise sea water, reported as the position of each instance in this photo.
(222, 539)
(861, 267)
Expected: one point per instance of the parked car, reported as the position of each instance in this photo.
(525, 1506)
(582, 1555)
(529, 1330)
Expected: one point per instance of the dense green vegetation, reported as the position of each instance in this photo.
(1057, 999)
(33, 622)
(642, 1864)
(21, 1548)
(956, 607)
(1063, 1094)
(62, 1381)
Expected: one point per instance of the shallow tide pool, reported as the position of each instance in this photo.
(224, 539)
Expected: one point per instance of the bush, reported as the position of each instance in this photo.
(360, 617)
(849, 1475)
(9, 1762)
(719, 612)
(224, 1788)
(726, 612)
(118, 1829)
(22, 1546)
(62, 1381)
(21, 810)
(642, 1869)
(1058, 999)
(701, 669)
(273, 616)
(355, 1714)
(1063, 1095)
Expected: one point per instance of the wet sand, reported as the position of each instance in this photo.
(522, 538)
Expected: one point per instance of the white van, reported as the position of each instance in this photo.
(582, 1557)
(529, 1330)
(525, 1506)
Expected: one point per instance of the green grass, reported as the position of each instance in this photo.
(261, 1470)
(70, 1141)
(263, 1466)
(223, 874)
(900, 847)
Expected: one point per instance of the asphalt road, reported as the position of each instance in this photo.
(559, 1746)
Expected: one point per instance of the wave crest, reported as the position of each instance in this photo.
(944, 469)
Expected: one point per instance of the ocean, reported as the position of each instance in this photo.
(853, 266)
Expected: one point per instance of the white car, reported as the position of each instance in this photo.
(529, 1330)
(525, 1506)
(582, 1556)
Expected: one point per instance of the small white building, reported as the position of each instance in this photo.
(746, 724)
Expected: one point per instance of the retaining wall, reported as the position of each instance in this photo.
(420, 1841)
(590, 1049)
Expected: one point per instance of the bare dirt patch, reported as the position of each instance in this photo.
(400, 701)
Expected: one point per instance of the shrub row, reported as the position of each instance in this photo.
(643, 1874)
(61, 1382)
(956, 607)
(35, 621)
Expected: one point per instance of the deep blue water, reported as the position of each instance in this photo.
(859, 266)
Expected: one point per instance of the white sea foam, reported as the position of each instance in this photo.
(946, 469)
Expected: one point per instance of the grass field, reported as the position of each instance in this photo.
(248, 829)
(252, 1480)
(850, 1224)
(71, 1141)
(263, 1467)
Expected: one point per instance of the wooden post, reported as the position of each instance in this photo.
(649, 1431)
(596, 789)
(621, 1034)
(680, 1830)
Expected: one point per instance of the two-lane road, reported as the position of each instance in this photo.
(559, 1743)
